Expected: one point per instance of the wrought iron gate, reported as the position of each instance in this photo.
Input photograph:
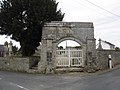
(69, 57)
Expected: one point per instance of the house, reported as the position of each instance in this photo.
(105, 45)
(109, 45)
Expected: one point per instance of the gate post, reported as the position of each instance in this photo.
(69, 56)
(42, 63)
(49, 64)
(91, 54)
(46, 63)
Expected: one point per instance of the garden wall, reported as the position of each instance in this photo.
(102, 58)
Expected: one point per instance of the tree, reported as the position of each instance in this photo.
(23, 21)
(15, 50)
(117, 48)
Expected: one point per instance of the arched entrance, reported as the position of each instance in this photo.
(54, 55)
(69, 53)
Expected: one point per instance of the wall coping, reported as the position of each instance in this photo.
(69, 24)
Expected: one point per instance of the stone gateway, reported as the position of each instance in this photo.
(54, 33)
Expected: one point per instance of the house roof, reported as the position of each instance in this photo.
(109, 43)
(1, 47)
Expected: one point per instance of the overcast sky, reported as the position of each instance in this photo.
(105, 14)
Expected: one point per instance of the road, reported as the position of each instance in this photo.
(20, 81)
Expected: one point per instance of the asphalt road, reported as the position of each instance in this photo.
(21, 81)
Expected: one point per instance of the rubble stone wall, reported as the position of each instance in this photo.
(14, 64)
(102, 58)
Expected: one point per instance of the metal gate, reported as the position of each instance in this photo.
(69, 57)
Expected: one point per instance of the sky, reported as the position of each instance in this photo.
(105, 15)
(68, 43)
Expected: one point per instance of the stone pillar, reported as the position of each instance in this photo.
(46, 63)
(42, 63)
(84, 55)
(99, 45)
(6, 49)
(49, 68)
(54, 55)
(91, 54)
(10, 48)
(91, 46)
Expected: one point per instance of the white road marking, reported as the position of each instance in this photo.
(19, 86)
(22, 87)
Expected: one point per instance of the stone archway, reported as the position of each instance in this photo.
(56, 32)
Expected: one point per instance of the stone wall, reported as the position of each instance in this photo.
(14, 64)
(33, 61)
(102, 58)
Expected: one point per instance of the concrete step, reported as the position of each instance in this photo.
(63, 70)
